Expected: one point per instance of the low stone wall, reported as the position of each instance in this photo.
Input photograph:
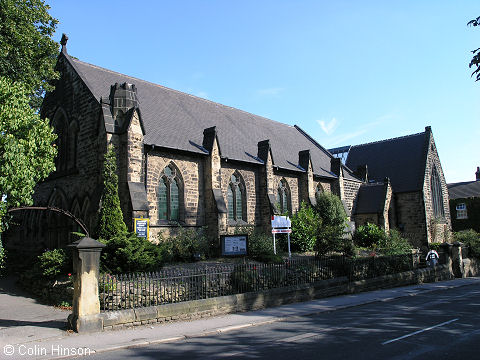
(196, 309)
(471, 267)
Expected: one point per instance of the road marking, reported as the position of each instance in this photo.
(418, 332)
(298, 337)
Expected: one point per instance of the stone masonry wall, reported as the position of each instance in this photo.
(293, 183)
(350, 190)
(190, 171)
(325, 184)
(249, 176)
(75, 188)
(410, 213)
(437, 229)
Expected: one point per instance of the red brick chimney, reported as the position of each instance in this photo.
(477, 174)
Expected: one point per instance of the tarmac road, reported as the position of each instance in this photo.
(441, 324)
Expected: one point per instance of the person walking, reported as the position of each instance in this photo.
(432, 258)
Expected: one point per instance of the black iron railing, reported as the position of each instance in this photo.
(127, 291)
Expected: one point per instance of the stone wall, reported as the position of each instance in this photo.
(350, 190)
(293, 184)
(190, 170)
(249, 175)
(74, 187)
(437, 228)
(196, 309)
(324, 184)
(410, 213)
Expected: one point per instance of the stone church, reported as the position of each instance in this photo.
(190, 162)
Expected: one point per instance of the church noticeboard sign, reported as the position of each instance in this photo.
(141, 227)
(234, 245)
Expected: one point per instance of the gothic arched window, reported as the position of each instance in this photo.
(283, 197)
(169, 195)
(236, 199)
(319, 190)
(437, 196)
(61, 129)
(72, 145)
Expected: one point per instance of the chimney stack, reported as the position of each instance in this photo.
(477, 174)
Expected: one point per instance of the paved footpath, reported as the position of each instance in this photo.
(23, 318)
(62, 344)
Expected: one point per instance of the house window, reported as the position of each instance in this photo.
(462, 211)
(437, 196)
(283, 197)
(235, 198)
(169, 195)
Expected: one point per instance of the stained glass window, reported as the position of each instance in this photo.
(283, 197)
(235, 195)
(162, 201)
(437, 196)
(169, 195)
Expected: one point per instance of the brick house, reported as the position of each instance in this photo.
(407, 173)
(465, 204)
(190, 162)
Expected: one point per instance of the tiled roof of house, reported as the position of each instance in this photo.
(401, 159)
(371, 199)
(176, 120)
(464, 190)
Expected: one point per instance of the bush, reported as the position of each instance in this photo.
(129, 253)
(395, 244)
(260, 248)
(369, 235)
(187, 245)
(306, 225)
(470, 238)
(54, 262)
(330, 209)
(435, 246)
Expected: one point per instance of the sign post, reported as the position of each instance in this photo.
(141, 227)
(234, 245)
(281, 225)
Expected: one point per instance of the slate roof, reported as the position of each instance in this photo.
(176, 120)
(400, 159)
(371, 199)
(464, 190)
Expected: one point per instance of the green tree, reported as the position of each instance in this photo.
(27, 51)
(475, 62)
(124, 251)
(111, 222)
(332, 214)
(306, 225)
(27, 151)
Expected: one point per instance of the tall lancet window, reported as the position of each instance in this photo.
(283, 197)
(169, 195)
(236, 199)
(437, 196)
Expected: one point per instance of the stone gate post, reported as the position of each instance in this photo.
(457, 260)
(85, 315)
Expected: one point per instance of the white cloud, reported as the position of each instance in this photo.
(271, 92)
(341, 140)
(328, 128)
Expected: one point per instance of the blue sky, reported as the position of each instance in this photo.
(347, 72)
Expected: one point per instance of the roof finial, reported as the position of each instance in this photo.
(63, 42)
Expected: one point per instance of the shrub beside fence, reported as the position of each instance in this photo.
(128, 291)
